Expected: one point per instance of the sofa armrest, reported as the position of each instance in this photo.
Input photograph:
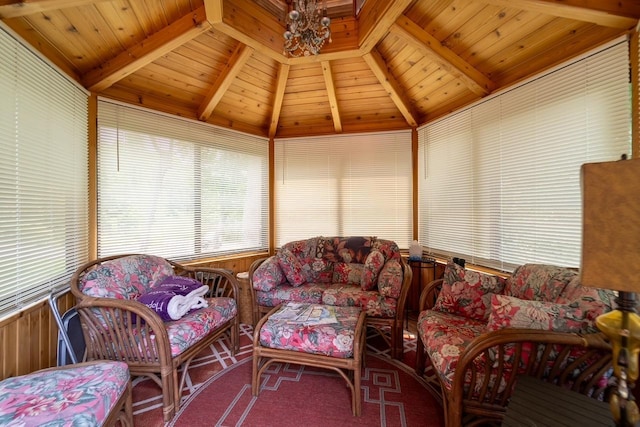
(429, 294)
(575, 361)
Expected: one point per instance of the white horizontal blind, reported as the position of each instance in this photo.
(43, 177)
(499, 183)
(344, 185)
(178, 188)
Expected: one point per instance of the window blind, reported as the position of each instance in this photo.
(499, 183)
(344, 185)
(178, 188)
(43, 177)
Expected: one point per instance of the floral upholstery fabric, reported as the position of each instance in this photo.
(345, 249)
(445, 336)
(390, 279)
(317, 270)
(78, 395)
(268, 275)
(467, 293)
(344, 272)
(197, 324)
(592, 301)
(372, 266)
(375, 304)
(335, 339)
(291, 267)
(308, 292)
(538, 282)
(126, 277)
(511, 312)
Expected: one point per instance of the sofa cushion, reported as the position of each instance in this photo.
(346, 249)
(307, 292)
(390, 279)
(126, 277)
(372, 266)
(467, 293)
(591, 301)
(511, 312)
(268, 275)
(291, 267)
(375, 304)
(317, 270)
(538, 282)
(344, 272)
(445, 337)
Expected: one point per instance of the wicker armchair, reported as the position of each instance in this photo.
(479, 388)
(117, 327)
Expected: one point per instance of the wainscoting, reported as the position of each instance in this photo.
(29, 339)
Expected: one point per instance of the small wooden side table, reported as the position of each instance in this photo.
(538, 403)
(245, 303)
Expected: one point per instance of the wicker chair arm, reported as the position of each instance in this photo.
(429, 294)
(125, 330)
(542, 354)
(220, 281)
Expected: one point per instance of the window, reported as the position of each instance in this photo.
(345, 185)
(178, 188)
(499, 183)
(43, 177)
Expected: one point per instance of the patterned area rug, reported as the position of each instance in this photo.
(218, 392)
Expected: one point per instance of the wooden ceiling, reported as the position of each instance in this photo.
(395, 65)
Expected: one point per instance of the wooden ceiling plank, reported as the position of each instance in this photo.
(17, 8)
(183, 30)
(331, 91)
(477, 82)
(395, 91)
(281, 84)
(621, 14)
(232, 68)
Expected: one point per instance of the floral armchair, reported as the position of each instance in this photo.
(118, 326)
(477, 333)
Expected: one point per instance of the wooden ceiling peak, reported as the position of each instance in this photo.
(393, 66)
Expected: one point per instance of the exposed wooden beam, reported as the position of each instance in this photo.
(477, 82)
(281, 85)
(17, 8)
(231, 69)
(375, 19)
(333, 100)
(616, 14)
(395, 91)
(245, 21)
(183, 30)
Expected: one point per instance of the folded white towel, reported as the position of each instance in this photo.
(180, 305)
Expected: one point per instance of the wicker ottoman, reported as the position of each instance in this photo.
(341, 350)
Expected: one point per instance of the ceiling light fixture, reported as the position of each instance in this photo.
(307, 28)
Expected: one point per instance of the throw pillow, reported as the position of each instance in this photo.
(291, 267)
(511, 312)
(372, 266)
(467, 293)
(350, 273)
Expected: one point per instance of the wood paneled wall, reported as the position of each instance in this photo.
(29, 339)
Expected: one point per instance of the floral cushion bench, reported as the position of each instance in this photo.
(338, 346)
(87, 394)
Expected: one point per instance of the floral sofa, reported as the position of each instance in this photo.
(118, 326)
(84, 394)
(478, 332)
(365, 272)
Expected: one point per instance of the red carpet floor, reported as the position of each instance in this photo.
(218, 393)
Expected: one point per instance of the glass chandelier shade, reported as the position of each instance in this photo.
(307, 28)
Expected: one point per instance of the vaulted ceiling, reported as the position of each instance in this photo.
(390, 65)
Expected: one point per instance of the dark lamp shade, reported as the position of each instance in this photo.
(611, 225)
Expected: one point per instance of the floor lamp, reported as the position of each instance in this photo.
(611, 260)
